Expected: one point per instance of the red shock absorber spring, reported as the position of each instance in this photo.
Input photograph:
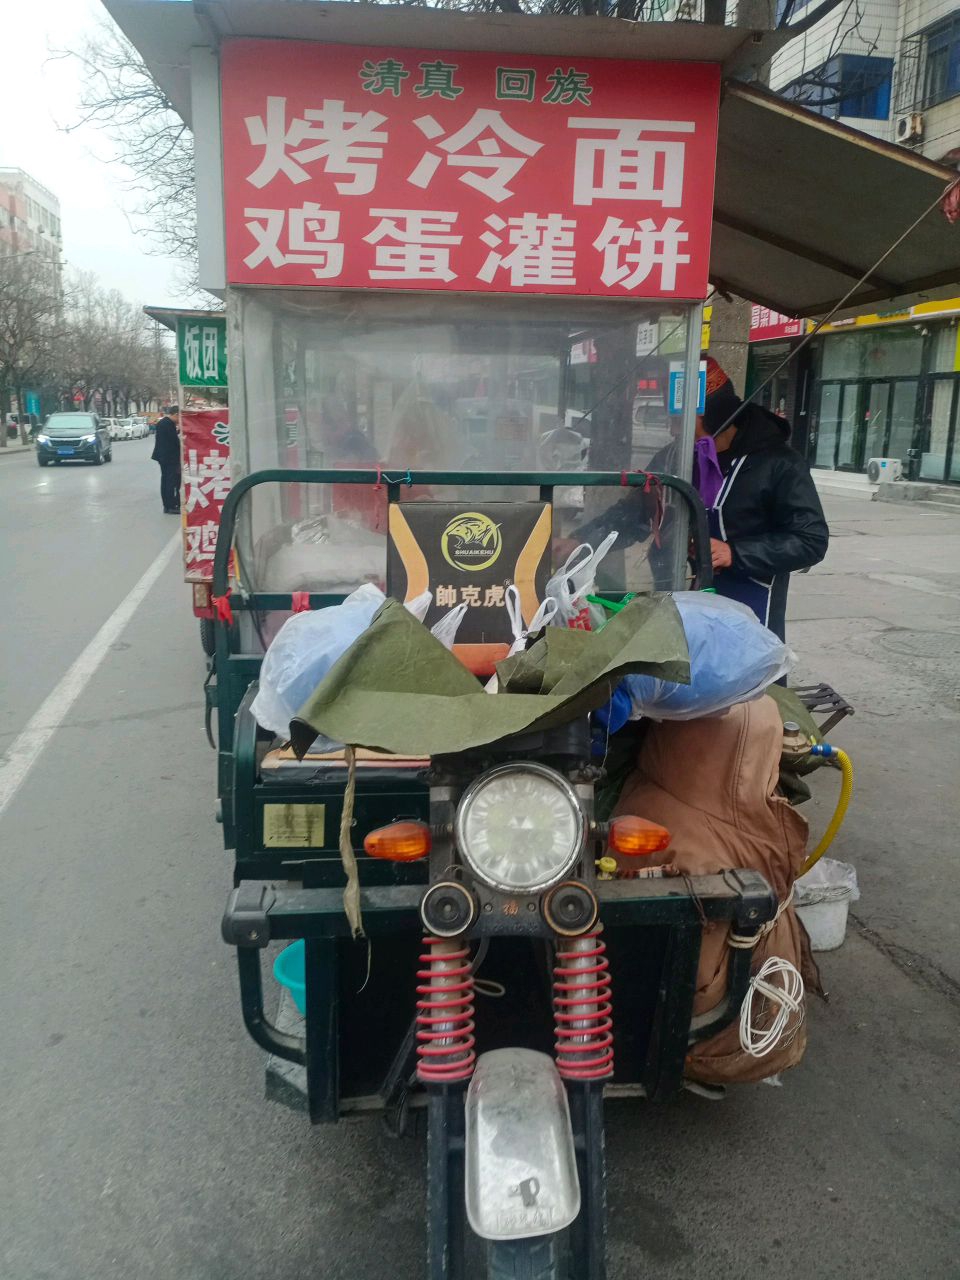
(445, 1040)
(582, 1009)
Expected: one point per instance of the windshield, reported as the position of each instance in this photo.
(445, 384)
(70, 424)
(455, 384)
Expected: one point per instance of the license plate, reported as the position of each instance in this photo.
(65, 453)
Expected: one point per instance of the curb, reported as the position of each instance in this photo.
(19, 449)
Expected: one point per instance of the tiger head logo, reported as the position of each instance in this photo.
(471, 541)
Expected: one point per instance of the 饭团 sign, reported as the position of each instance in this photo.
(202, 351)
(378, 168)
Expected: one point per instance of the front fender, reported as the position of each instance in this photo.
(521, 1168)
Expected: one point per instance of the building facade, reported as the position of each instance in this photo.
(885, 385)
(29, 219)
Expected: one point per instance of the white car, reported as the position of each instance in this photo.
(130, 429)
(114, 426)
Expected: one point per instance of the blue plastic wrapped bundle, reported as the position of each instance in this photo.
(733, 658)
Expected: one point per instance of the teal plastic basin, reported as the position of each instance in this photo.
(289, 969)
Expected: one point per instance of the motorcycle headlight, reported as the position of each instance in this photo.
(520, 827)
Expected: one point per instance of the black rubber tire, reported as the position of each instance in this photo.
(530, 1259)
(208, 636)
(108, 456)
(42, 462)
(98, 460)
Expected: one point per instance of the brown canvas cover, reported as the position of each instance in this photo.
(713, 784)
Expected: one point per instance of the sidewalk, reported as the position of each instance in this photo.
(847, 484)
(14, 447)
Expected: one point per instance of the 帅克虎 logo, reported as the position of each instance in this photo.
(471, 541)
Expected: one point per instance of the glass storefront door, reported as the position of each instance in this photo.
(863, 420)
(940, 458)
(836, 424)
(876, 419)
(903, 421)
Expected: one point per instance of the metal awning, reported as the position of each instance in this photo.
(165, 30)
(804, 206)
(168, 316)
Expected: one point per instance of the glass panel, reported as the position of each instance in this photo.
(933, 462)
(841, 356)
(849, 429)
(875, 420)
(943, 349)
(873, 353)
(903, 418)
(445, 383)
(828, 424)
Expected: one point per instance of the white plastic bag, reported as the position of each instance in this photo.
(419, 606)
(304, 650)
(546, 611)
(827, 881)
(574, 581)
(445, 629)
(733, 658)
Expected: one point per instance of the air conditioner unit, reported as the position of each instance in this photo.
(884, 469)
(909, 128)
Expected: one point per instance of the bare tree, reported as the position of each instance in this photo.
(110, 357)
(819, 87)
(31, 326)
(121, 97)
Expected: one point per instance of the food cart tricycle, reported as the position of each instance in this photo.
(440, 240)
(492, 234)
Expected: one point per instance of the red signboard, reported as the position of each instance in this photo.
(205, 441)
(766, 324)
(372, 168)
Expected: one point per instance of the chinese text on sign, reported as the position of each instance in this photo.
(398, 168)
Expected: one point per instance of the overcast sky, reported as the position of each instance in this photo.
(38, 96)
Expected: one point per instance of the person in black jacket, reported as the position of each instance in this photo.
(166, 451)
(765, 519)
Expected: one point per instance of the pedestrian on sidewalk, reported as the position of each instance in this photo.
(766, 520)
(763, 509)
(166, 452)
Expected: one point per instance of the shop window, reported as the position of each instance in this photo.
(933, 460)
(873, 353)
(944, 352)
(941, 76)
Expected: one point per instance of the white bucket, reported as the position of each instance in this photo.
(822, 898)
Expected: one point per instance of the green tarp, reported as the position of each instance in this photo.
(398, 689)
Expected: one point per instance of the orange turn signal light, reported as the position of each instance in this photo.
(636, 837)
(400, 842)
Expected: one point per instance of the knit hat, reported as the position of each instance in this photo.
(722, 401)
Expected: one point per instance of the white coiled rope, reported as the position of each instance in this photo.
(759, 1035)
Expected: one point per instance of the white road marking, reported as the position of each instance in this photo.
(25, 749)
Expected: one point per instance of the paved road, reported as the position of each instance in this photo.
(135, 1138)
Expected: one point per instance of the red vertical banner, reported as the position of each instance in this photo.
(205, 444)
(375, 168)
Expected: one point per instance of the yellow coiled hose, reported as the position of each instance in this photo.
(845, 765)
